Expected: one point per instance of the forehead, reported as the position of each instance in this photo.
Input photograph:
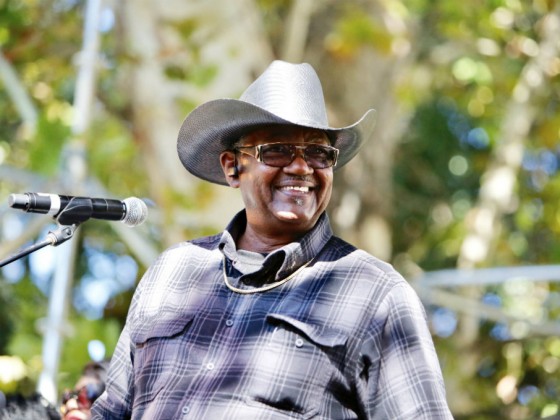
(285, 134)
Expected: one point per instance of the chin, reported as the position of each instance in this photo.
(288, 215)
(297, 219)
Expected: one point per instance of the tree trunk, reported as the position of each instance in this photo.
(152, 36)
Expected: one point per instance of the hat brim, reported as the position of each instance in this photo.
(215, 126)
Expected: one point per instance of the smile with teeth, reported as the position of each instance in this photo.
(296, 188)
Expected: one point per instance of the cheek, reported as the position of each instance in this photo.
(328, 193)
(327, 185)
(255, 190)
(323, 200)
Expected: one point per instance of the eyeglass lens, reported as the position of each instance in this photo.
(317, 156)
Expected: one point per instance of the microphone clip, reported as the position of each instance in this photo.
(78, 210)
(62, 234)
(54, 238)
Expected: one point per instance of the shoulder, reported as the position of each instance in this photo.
(174, 259)
(175, 272)
(361, 264)
(370, 279)
(184, 252)
(359, 280)
(376, 286)
(208, 243)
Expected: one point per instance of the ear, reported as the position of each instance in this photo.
(228, 160)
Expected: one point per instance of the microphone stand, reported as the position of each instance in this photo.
(54, 238)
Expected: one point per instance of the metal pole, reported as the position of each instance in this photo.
(74, 170)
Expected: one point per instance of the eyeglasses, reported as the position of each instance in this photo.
(84, 396)
(279, 155)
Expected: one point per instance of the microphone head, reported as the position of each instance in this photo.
(136, 211)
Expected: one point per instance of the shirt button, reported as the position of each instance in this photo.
(185, 409)
(210, 366)
(299, 342)
(229, 323)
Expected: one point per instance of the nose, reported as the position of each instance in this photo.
(299, 165)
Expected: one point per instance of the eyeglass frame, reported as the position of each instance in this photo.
(298, 146)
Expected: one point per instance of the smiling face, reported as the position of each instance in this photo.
(281, 202)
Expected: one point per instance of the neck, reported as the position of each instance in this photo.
(250, 240)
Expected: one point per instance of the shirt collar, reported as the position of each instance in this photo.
(291, 256)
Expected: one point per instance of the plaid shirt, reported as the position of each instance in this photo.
(345, 338)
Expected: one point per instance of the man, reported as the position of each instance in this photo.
(275, 318)
(76, 404)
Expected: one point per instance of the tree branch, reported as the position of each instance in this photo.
(18, 93)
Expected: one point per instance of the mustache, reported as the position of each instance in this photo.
(301, 178)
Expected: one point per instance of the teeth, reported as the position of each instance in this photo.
(300, 189)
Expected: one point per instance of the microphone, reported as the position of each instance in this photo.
(68, 210)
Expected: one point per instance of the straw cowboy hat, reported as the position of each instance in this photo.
(284, 94)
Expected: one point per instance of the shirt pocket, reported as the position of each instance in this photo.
(293, 369)
(159, 349)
